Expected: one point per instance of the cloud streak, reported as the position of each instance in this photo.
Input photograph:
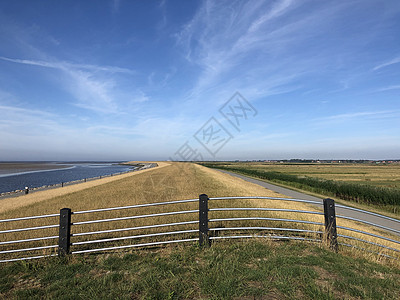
(251, 46)
(92, 89)
(277, 10)
(360, 115)
(224, 39)
(389, 88)
(67, 65)
(393, 61)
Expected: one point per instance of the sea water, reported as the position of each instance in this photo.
(72, 172)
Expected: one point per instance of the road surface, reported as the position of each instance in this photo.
(339, 211)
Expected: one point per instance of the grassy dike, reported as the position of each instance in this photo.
(230, 269)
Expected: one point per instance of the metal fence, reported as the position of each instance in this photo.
(206, 222)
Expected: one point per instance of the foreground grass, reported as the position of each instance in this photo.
(257, 269)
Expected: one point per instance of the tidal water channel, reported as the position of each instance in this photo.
(67, 172)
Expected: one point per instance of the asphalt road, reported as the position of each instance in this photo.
(339, 211)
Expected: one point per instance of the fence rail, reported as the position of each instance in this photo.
(211, 224)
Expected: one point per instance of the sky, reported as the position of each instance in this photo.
(199, 80)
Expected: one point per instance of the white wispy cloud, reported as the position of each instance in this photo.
(106, 130)
(389, 88)
(359, 115)
(27, 121)
(115, 6)
(67, 65)
(25, 111)
(91, 93)
(28, 133)
(277, 10)
(163, 20)
(221, 39)
(91, 88)
(393, 61)
(248, 45)
(26, 129)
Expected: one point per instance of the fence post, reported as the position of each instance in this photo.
(330, 224)
(203, 221)
(64, 240)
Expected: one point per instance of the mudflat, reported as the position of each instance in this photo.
(17, 167)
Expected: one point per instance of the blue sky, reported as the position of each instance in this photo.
(137, 80)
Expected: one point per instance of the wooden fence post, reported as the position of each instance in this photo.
(64, 240)
(203, 221)
(330, 224)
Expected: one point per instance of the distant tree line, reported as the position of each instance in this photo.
(343, 190)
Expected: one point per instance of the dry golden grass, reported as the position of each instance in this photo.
(170, 181)
(371, 174)
(15, 204)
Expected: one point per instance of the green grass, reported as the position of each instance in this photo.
(385, 175)
(384, 197)
(227, 270)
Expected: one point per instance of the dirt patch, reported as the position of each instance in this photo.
(274, 294)
(29, 283)
(324, 274)
(325, 282)
(96, 273)
(255, 284)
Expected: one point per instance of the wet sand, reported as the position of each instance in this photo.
(20, 167)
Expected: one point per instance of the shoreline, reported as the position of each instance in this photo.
(34, 171)
(17, 193)
(17, 168)
(21, 200)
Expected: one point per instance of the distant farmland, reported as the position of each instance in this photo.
(370, 174)
(367, 183)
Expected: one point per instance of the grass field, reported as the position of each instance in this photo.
(368, 184)
(385, 175)
(256, 269)
(92, 274)
(165, 183)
